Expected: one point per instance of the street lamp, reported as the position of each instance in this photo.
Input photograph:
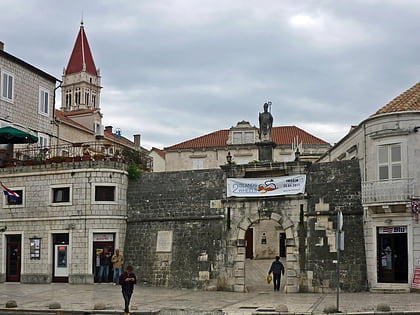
(297, 154)
(229, 158)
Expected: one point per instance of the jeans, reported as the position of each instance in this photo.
(127, 297)
(103, 273)
(276, 281)
(117, 274)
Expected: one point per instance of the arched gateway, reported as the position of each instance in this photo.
(287, 226)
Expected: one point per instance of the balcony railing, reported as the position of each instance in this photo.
(399, 190)
(75, 152)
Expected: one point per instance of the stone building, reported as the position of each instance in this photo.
(26, 97)
(185, 231)
(67, 213)
(387, 146)
(210, 151)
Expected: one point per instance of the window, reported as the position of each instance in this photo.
(237, 137)
(77, 96)
(389, 161)
(198, 164)
(13, 202)
(43, 140)
(68, 98)
(87, 97)
(61, 194)
(43, 101)
(249, 137)
(243, 137)
(104, 193)
(7, 82)
(93, 99)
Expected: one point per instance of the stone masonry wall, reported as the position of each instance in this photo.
(179, 203)
(333, 186)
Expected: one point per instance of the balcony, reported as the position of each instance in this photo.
(71, 153)
(378, 192)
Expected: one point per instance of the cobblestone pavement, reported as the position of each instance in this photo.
(149, 300)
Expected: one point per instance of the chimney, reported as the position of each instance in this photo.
(137, 140)
(1, 46)
(108, 129)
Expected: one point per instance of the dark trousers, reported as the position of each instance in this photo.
(276, 281)
(127, 298)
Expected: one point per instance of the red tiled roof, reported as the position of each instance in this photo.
(81, 55)
(63, 116)
(407, 101)
(281, 135)
(159, 151)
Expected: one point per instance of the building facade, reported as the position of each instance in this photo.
(26, 97)
(210, 151)
(387, 146)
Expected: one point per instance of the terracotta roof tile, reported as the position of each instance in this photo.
(159, 151)
(281, 135)
(407, 101)
(64, 117)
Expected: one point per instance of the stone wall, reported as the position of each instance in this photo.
(181, 205)
(333, 186)
(207, 248)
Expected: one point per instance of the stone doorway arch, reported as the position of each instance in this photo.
(292, 263)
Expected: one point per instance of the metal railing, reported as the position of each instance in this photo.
(72, 153)
(398, 190)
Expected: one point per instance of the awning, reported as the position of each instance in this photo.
(13, 135)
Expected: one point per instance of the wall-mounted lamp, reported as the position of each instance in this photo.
(388, 221)
(71, 226)
(3, 229)
(229, 158)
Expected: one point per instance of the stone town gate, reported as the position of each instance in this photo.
(267, 238)
(182, 231)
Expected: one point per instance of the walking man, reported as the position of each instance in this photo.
(277, 269)
(117, 262)
(127, 281)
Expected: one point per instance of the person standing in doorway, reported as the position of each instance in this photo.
(277, 269)
(127, 282)
(117, 263)
(105, 263)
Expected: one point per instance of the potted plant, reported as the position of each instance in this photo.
(57, 159)
(98, 156)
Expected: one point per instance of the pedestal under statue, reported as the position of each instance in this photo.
(266, 144)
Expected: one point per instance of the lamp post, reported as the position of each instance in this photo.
(297, 154)
(229, 158)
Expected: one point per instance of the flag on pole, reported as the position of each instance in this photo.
(9, 193)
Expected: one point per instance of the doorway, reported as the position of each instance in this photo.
(61, 257)
(100, 242)
(392, 254)
(13, 258)
(249, 238)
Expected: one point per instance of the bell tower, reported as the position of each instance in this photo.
(81, 86)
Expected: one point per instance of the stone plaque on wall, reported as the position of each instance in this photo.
(164, 241)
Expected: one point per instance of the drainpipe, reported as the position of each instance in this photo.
(53, 114)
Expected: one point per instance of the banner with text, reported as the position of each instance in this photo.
(265, 187)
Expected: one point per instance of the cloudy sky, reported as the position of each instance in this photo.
(173, 70)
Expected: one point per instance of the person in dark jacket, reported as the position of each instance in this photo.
(277, 269)
(127, 282)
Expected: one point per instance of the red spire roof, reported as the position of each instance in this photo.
(81, 56)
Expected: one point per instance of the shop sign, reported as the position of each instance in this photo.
(392, 229)
(103, 237)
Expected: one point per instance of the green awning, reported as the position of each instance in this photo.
(13, 135)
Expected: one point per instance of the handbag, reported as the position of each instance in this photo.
(269, 278)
